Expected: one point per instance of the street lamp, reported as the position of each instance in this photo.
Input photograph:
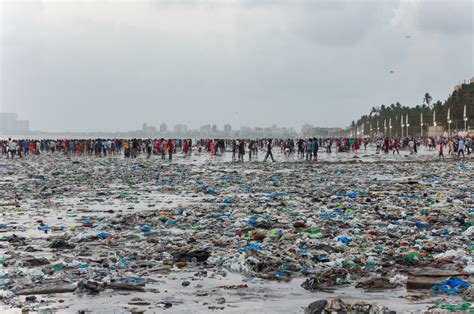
(390, 131)
(421, 124)
(449, 122)
(408, 125)
(465, 119)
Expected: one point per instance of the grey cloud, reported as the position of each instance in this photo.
(447, 17)
(245, 63)
(343, 25)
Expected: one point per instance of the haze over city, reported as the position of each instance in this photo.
(110, 66)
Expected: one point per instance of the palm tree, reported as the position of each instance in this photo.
(372, 111)
(427, 99)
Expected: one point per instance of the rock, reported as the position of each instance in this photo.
(34, 262)
(61, 244)
(376, 284)
(315, 307)
(143, 303)
(125, 286)
(299, 224)
(192, 256)
(166, 305)
(181, 264)
(90, 286)
(336, 305)
(258, 235)
(361, 307)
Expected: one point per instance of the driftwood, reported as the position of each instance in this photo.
(125, 286)
(71, 288)
(423, 282)
(47, 290)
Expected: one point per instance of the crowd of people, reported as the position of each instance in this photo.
(305, 149)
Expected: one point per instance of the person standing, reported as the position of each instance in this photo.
(461, 147)
(234, 149)
(170, 147)
(185, 148)
(309, 149)
(250, 150)
(411, 144)
(148, 149)
(316, 148)
(11, 148)
(241, 150)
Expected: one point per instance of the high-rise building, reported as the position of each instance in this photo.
(9, 124)
(307, 129)
(180, 129)
(163, 128)
(205, 129)
(22, 126)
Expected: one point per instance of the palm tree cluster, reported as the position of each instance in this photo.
(381, 117)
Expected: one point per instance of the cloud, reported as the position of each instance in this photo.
(436, 16)
(113, 65)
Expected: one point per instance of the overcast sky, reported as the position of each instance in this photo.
(109, 65)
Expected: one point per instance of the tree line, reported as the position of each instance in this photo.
(396, 112)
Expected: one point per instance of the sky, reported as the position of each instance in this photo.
(113, 65)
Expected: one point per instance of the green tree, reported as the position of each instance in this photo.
(427, 99)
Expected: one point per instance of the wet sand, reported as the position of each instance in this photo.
(62, 191)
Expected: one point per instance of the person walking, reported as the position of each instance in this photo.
(269, 151)
(441, 150)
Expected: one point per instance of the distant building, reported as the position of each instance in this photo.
(307, 129)
(205, 129)
(163, 128)
(459, 86)
(180, 129)
(148, 131)
(227, 128)
(9, 124)
(23, 126)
